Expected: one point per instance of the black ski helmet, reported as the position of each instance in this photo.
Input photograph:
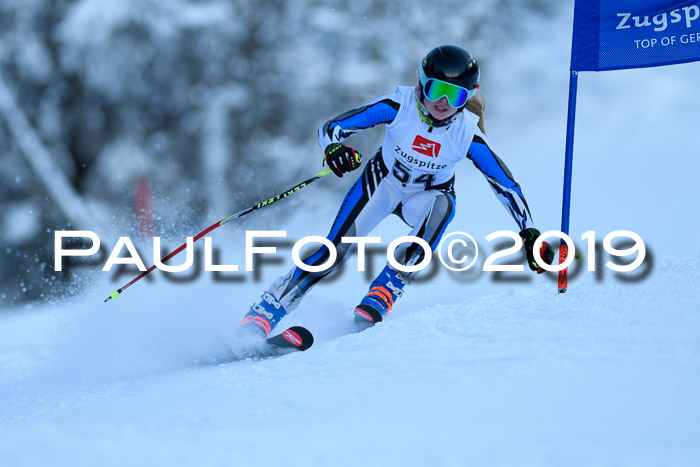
(452, 64)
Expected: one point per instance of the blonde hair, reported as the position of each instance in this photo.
(476, 105)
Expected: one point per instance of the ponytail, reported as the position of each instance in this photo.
(476, 105)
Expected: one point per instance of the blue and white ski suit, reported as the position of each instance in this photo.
(411, 175)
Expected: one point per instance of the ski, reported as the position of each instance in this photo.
(293, 339)
(366, 317)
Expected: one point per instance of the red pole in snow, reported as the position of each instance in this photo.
(143, 205)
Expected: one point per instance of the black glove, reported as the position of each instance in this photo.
(342, 158)
(546, 251)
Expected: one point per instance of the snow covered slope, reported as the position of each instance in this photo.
(607, 374)
(464, 372)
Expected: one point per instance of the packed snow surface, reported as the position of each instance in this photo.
(606, 374)
(467, 370)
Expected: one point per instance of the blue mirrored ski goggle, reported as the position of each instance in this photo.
(435, 89)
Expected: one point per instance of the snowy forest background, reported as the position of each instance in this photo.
(215, 104)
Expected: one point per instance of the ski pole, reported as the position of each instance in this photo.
(114, 294)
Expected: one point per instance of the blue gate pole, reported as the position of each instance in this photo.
(568, 171)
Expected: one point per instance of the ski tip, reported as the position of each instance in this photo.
(367, 313)
(301, 338)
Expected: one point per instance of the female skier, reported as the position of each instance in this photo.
(429, 128)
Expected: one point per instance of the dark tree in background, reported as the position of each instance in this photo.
(214, 103)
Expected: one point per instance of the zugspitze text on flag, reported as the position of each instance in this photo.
(617, 34)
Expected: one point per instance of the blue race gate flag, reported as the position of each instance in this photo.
(618, 34)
